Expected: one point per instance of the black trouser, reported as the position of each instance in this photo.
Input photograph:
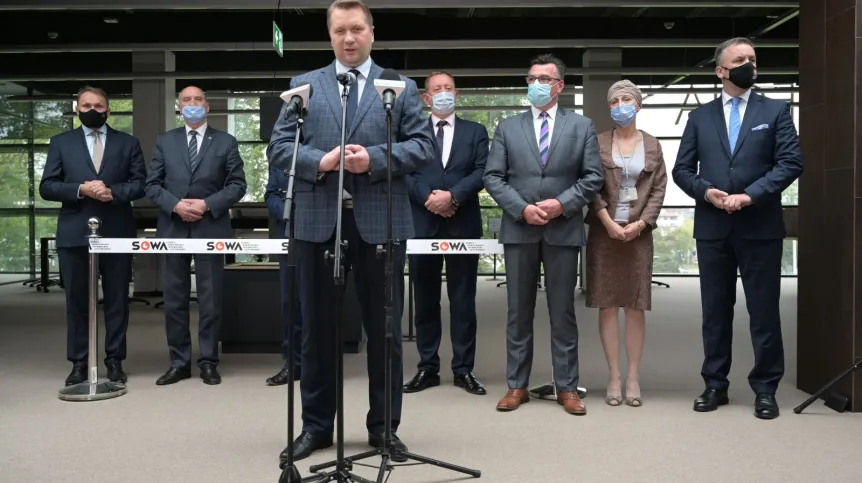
(461, 272)
(759, 263)
(290, 282)
(177, 285)
(318, 338)
(116, 272)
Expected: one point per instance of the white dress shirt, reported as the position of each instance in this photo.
(537, 122)
(91, 140)
(364, 69)
(448, 134)
(743, 102)
(200, 137)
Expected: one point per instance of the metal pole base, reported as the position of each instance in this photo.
(386, 467)
(289, 474)
(549, 392)
(88, 391)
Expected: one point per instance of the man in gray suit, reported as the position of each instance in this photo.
(543, 168)
(351, 31)
(195, 177)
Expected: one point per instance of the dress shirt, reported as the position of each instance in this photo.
(743, 102)
(448, 133)
(537, 122)
(200, 137)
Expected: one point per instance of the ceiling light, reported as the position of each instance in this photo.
(111, 20)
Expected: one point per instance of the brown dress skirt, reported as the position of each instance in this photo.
(619, 274)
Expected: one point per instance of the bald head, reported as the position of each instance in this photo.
(192, 96)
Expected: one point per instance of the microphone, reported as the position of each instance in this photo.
(296, 99)
(346, 78)
(389, 86)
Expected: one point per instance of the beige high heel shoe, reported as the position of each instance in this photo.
(614, 399)
(633, 401)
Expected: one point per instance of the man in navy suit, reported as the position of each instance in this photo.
(351, 32)
(445, 201)
(94, 170)
(737, 155)
(276, 188)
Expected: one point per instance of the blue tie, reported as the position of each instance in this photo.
(352, 99)
(735, 123)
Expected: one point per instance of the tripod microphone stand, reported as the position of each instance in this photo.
(388, 451)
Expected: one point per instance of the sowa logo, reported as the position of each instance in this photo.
(147, 245)
(448, 246)
(221, 246)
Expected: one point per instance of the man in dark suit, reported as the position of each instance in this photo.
(351, 31)
(543, 169)
(276, 188)
(736, 156)
(195, 177)
(445, 201)
(94, 170)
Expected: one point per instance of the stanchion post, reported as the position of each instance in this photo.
(92, 389)
(410, 309)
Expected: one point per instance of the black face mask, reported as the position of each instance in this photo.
(742, 76)
(93, 119)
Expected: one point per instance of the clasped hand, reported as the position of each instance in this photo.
(439, 202)
(625, 233)
(97, 190)
(191, 210)
(726, 202)
(356, 159)
(542, 212)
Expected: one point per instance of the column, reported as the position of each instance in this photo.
(596, 106)
(219, 104)
(829, 312)
(154, 104)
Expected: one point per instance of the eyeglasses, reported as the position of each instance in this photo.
(542, 79)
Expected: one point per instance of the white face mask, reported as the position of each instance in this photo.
(443, 103)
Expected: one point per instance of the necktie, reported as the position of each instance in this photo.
(98, 150)
(352, 99)
(733, 133)
(440, 134)
(544, 137)
(193, 148)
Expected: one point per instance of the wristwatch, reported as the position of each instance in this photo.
(455, 203)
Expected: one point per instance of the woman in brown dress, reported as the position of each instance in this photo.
(619, 244)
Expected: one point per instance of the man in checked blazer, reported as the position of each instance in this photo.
(364, 222)
(195, 177)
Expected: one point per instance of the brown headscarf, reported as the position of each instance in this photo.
(625, 87)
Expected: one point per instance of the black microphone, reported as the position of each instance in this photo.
(389, 86)
(346, 78)
(296, 99)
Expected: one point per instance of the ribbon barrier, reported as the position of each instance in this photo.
(262, 246)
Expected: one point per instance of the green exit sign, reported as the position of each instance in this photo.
(277, 39)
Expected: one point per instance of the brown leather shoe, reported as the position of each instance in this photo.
(513, 400)
(572, 403)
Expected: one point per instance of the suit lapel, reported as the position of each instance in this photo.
(332, 91)
(530, 133)
(85, 151)
(751, 111)
(459, 138)
(559, 128)
(183, 145)
(720, 124)
(369, 94)
(111, 147)
(205, 144)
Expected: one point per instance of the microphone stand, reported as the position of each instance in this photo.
(388, 451)
(290, 474)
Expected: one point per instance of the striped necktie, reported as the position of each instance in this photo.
(193, 148)
(544, 138)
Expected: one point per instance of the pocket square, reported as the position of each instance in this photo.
(762, 126)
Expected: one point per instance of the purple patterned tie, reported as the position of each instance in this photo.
(544, 137)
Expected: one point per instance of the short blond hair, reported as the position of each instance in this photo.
(348, 5)
(439, 72)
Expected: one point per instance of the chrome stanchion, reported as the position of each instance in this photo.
(93, 389)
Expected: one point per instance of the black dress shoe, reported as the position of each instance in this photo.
(305, 444)
(210, 374)
(378, 440)
(283, 377)
(765, 406)
(77, 376)
(710, 400)
(116, 373)
(422, 381)
(174, 375)
(469, 383)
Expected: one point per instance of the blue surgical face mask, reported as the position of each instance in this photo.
(194, 114)
(624, 114)
(539, 94)
(443, 103)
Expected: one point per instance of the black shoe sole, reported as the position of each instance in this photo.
(431, 383)
(707, 409)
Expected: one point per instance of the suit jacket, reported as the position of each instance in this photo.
(218, 179)
(650, 185)
(767, 160)
(276, 186)
(316, 199)
(515, 177)
(69, 165)
(462, 176)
